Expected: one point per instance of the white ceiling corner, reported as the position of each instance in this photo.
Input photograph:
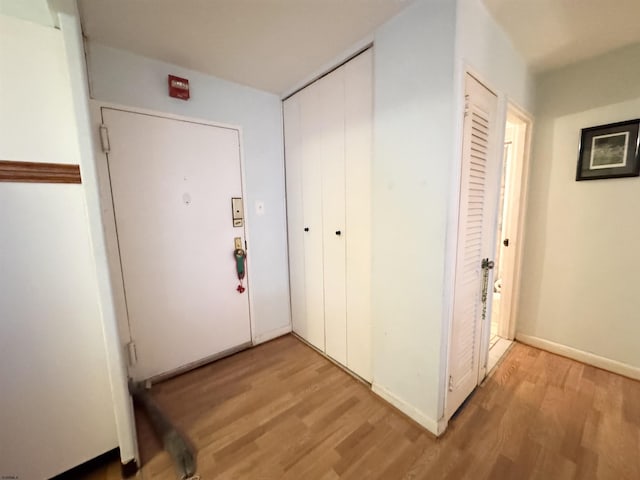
(270, 45)
(554, 33)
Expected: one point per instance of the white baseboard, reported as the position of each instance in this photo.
(271, 334)
(581, 356)
(435, 427)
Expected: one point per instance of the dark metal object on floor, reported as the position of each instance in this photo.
(177, 445)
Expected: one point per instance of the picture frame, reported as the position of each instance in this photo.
(609, 151)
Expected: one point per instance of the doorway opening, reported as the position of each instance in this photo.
(509, 235)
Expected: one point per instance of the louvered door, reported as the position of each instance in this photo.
(475, 239)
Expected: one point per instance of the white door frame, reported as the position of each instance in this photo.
(527, 120)
(109, 221)
(507, 107)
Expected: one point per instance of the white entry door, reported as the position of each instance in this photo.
(476, 232)
(172, 182)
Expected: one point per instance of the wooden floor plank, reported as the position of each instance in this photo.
(282, 411)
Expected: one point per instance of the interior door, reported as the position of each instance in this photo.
(328, 132)
(478, 203)
(358, 98)
(172, 182)
(516, 133)
(332, 90)
(311, 122)
(295, 215)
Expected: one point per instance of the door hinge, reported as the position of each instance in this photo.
(132, 353)
(451, 383)
(466, 105)
(104, 139)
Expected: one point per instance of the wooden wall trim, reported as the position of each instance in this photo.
(37, 172)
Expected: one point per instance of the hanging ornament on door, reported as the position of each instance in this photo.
(241, 258)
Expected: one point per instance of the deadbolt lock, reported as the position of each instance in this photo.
(237, 212)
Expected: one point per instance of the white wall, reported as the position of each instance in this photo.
(129, 79)
(55, 400)
(413, 154)
(68, 19)
(420, 58)
(482, 46)
(484, 50)
(36, 11)
(580, 272)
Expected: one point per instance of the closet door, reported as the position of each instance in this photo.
(328, 134)
(295, 217)
(478, 203)
(312, 140)
(332, 128)
(358, 97)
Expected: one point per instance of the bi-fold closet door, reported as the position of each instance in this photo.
(328, 168)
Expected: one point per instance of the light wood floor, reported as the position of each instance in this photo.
(282, 411)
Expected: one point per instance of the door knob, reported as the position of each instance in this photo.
(306, 229)
(505, 242)
(488, 264)
(338, 232)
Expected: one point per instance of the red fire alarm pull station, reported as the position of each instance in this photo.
(178, 87)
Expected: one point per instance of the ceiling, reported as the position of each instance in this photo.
(553, 33)
(271, 45)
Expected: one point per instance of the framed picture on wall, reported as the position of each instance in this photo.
(609, 151)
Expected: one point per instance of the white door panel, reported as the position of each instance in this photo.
(475, 239)
(172, 183)
(358, 140)
(331, 90)
(328, 136)
(295, 212)
(311, 125)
